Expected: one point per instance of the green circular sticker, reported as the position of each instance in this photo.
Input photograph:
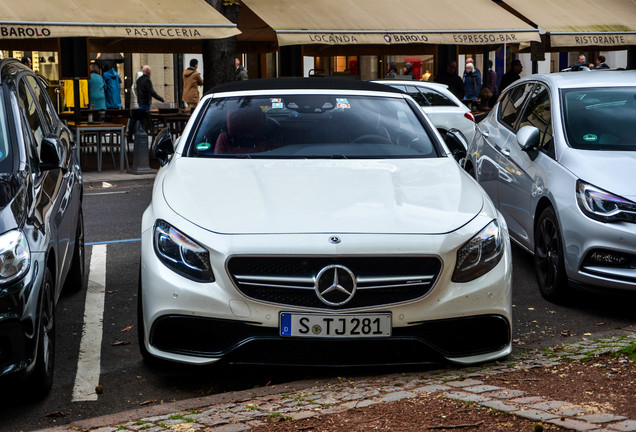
(590, 137)
(203, 146)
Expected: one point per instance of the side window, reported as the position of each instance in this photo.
(436, 98)
(512, 103)
(415, 94)
(44, 102)
(537, 114)
(30, 107)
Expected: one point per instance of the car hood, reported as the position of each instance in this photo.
(610, 170)
(428, 196)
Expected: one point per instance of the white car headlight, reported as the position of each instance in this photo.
(604, 206)
(15, 256)
(181, 254)
(480, 255)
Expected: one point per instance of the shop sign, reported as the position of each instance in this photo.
(153, 32)
(24, 32)
(583, 40)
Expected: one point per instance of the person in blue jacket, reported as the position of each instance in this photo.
(472, 83)
(96, 93)
(113, 87)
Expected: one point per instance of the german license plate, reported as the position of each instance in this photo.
(338, 326)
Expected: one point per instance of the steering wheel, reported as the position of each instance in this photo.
(371, 139)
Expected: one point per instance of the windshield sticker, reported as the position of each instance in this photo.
(590, 137)
(203, 146)
(342, 103)
(277, 103)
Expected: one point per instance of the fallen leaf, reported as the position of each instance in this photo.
(566, 333)
(600, 324)
(148, 402)
(106, 185)
(530, 308)
(587, 334)
(119, 343)
(56, 414)
(127, 329)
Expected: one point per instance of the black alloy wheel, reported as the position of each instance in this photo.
(549, 262)
(40, 380)
(75, 278)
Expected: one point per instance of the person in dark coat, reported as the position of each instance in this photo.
(393, 71)
(145, 93)
(451, 79)
(407, 70)
(511, 76)
(600, 63)
(240, 73)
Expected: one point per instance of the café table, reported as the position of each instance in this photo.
(100, 129)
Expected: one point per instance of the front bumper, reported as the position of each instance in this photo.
(240, 342)
(18, 320)
(586, 236)
(201, 323)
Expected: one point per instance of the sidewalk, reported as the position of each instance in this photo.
(298, 401)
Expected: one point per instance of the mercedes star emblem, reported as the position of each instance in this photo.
(334, 239)
(335, 285)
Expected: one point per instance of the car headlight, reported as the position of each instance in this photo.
(181, 254)
(15, 256)
(603, 206)
(480, 255)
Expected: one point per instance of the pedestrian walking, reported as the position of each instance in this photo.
(490, 80)
(145, 93)
(393, 71)
(191, 82)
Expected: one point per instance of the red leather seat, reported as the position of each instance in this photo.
(247, 132)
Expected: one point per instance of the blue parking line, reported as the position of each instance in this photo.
(113, 241)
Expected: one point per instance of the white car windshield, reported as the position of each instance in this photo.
(311, 126)
(601, 118)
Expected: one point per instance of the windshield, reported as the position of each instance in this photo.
(601, 118)
(6, 165)
(311, 126)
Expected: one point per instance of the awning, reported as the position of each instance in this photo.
(380, 22)
(582, 23)
(181, 20)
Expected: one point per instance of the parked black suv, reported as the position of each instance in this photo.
(41, 226)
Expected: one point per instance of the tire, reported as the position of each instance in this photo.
(40, 380)
(75, 278)
(549, 263)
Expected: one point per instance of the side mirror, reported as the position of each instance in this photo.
(528, 137)
(456, 143)
(163, 146)
(50, 149)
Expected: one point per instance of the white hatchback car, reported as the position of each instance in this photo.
(444, 109)
(319, 222)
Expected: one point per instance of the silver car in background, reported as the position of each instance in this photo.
(557, 155)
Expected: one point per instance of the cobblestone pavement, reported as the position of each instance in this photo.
(240, 411)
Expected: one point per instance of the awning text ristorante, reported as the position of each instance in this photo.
(587, 39)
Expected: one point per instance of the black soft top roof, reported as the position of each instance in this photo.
(301, 84)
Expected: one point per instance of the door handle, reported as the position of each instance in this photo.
(505, 151)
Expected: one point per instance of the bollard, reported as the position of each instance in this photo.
(141, 158)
